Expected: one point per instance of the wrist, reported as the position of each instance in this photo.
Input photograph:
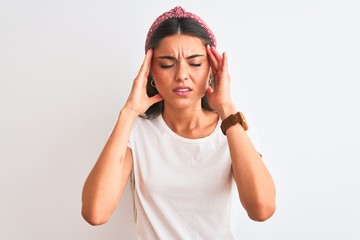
(129, 113)
(226, 110)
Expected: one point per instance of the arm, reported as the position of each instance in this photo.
(254, 182)
(106, 182)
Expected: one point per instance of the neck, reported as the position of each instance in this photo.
(194, 122)
(183, 120)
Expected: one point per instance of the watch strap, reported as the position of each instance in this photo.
(232, 120)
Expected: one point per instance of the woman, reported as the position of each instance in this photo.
(187, 148)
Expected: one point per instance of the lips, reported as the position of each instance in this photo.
(182, 91)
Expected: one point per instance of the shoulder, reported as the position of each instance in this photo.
(143, 124)
(142, 130)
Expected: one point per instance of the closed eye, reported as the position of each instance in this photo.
(167, 66)
(196, 64)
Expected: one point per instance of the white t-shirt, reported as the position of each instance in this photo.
(182, 188)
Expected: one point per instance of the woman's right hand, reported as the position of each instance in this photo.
(138, 100)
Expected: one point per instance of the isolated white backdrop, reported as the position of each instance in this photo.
(66, 68)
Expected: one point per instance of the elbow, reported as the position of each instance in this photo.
(262, 211)
(93, 217)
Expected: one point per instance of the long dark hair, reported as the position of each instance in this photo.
(167, 28)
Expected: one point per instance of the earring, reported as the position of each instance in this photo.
(152, 83)
(210, 81)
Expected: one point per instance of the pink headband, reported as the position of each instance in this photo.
(179, 12)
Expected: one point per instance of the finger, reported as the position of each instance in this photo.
(148, 59)
(145, 66)
(223, 68)
(209, 90)
(213, 62)
(225, 61)
(216, 54)
(154, 99)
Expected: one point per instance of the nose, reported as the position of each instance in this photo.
(181, 72)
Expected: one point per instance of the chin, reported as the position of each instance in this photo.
(181, 104)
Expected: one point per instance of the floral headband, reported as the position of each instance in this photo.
(178, 12)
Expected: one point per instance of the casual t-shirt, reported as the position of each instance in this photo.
(182, 188)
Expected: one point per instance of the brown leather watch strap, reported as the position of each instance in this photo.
(232, 120)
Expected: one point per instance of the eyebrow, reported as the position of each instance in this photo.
(174, 58)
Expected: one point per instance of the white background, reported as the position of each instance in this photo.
(66, 68)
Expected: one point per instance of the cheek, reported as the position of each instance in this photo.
(158, 75)
(161, 80)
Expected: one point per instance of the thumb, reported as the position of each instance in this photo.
(154, 99)
(209, 90)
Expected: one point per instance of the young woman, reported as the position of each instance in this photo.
(181, 141)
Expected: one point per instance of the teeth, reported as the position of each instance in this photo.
(182, 90)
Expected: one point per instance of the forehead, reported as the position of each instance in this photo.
(180, 43)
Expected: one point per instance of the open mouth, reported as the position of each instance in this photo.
(182, 91)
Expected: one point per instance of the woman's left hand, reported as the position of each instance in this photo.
(219, 96)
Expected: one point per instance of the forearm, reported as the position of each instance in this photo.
(254, 182)
(106, 181)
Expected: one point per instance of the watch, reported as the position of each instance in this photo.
(232, 120)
